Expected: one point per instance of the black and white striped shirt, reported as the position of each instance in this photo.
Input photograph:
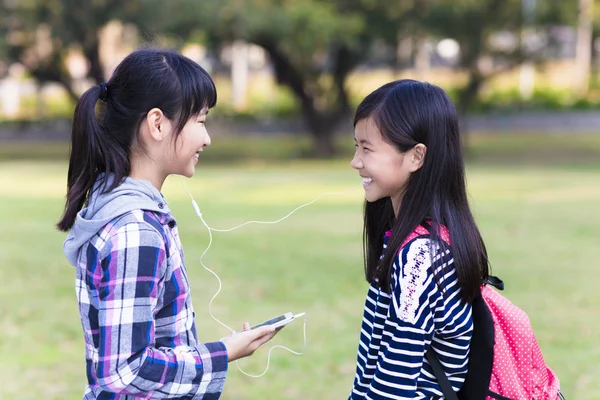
(398, 329)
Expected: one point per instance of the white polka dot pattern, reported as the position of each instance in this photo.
(519, 371)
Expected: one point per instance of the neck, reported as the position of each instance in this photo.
(143, 168)
(396, 205)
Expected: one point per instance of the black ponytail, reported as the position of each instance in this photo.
(91, 153)
(104, 133)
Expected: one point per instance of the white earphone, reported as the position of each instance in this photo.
(210, 230)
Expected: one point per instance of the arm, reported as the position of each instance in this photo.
(128, 362)
(409, 326)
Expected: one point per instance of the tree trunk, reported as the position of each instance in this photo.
(583, 59)
(465, 100)
(422, 59)
(53, 73)
(321, 124)
(239, 74)
(596, 60)
(324, 146)
(92, 53)
(69, 88)
(322, 128)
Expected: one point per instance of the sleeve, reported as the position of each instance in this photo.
(128, 364)
(409, 324)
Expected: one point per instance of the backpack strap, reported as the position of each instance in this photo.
(496, 396)
(434, 362)
(476, 384)
(495, 282)
(481, 357)
(440, 375)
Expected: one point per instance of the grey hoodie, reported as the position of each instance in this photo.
(131, 194)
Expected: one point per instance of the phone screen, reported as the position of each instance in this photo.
(270, 322)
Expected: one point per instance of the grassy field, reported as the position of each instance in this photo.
(540, 223)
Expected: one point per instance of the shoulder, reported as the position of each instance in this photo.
(422, 248)
(414, 281)
(135, 228)
(415, 259)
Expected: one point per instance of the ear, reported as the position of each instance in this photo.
(158, 125)
(417, 156)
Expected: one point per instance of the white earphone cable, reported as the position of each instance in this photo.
(210, 240)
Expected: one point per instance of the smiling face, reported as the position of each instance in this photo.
(384, 169)
(163, 152)
(191, 141)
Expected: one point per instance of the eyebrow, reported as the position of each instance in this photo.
(363, 141)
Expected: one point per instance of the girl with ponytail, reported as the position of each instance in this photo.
(129, 134)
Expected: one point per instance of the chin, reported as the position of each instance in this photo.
(188, 173)
(373, 198)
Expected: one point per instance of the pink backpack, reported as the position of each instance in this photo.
(518, 369)
(505, 360)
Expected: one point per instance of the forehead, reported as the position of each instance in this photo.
(366, 130)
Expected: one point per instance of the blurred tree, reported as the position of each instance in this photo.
(491, 37)
(40, 34)
(584, 47)
(4, 27)
(585, 15)
(596, 44)
(312, 44)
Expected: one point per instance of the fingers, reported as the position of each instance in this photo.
(264, 339)
(262, 331)
(246, 326)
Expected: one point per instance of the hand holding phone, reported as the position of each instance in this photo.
(280, 320)
(244, 343)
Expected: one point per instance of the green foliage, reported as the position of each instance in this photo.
(543, 98)
(41, 34)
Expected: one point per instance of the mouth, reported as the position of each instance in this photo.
(196, 156)
(366, 181)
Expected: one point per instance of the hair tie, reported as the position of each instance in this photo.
(103, 91)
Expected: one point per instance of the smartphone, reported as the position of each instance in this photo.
(279, 321)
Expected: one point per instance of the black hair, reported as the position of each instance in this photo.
(409, 112)
(103, 141)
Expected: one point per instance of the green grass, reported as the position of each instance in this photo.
(541, 226)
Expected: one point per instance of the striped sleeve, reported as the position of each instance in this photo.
(423, 309)
(409, 325)
(129, 281)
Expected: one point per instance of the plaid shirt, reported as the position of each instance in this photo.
(137, 315)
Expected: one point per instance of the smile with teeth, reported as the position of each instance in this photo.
(366, 181)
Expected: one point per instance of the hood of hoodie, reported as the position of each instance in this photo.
(101, 208)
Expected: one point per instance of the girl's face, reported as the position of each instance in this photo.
(191, 141)
(384, 169)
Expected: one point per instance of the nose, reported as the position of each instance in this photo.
(207, 141)
(356, 162)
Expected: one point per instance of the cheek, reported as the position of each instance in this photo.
(174, 148)
(179, 144)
